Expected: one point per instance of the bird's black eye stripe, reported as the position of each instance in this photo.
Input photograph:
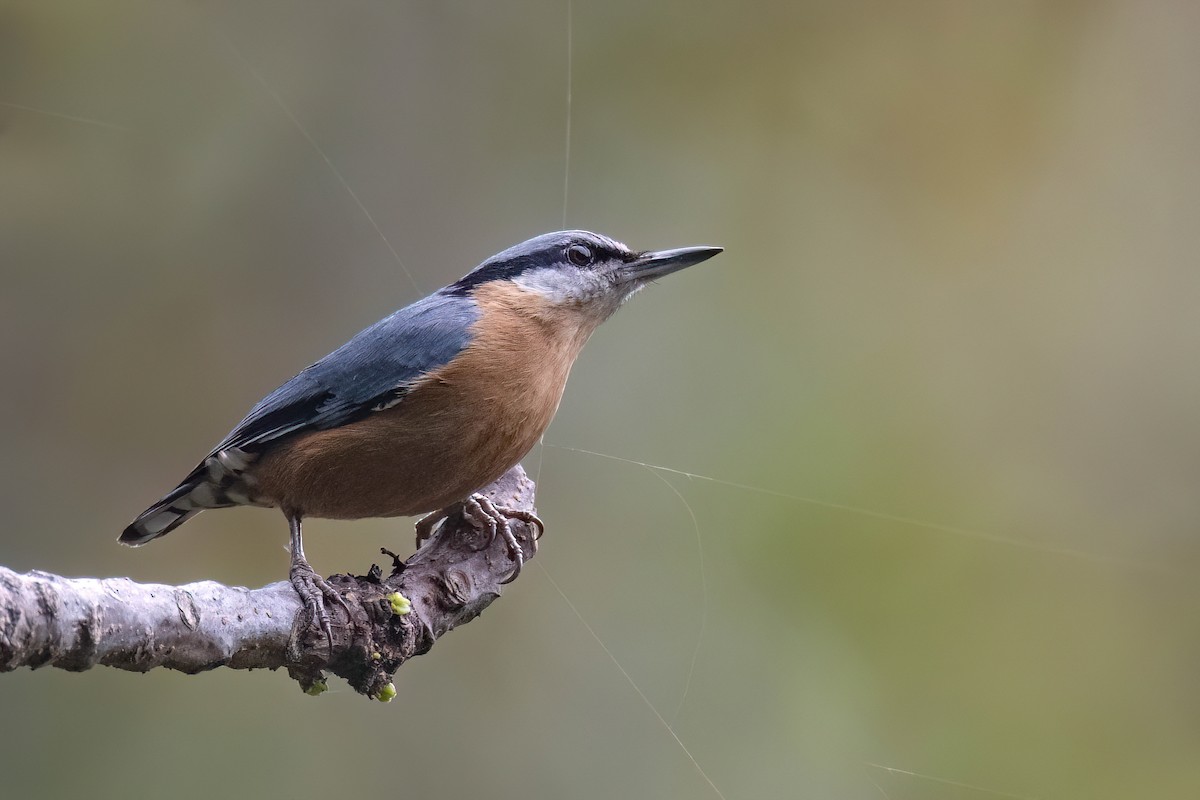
(580, 255)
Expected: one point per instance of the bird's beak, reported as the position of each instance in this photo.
(649, 266)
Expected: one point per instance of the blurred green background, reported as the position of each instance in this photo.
(958, 306)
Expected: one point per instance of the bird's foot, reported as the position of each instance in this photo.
(314, 591)
(486, 515)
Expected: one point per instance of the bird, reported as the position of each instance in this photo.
(419, 411)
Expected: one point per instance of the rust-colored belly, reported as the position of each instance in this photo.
(423, 455)
(458, 429)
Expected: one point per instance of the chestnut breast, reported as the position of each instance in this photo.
(458, 428)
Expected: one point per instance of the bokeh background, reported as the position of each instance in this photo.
(950, 356)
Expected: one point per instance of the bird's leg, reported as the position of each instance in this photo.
(486, 515)
(312, 588)
(427, 524)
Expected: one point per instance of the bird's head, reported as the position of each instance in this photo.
(580, 272)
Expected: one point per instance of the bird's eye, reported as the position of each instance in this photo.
(579, 255)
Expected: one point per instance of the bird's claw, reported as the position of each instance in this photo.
(314, 591)
(485, 515)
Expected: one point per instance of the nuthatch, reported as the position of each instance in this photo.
(419, 411)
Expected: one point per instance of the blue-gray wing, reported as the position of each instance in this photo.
(371, 372)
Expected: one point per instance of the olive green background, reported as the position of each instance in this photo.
(953, 342)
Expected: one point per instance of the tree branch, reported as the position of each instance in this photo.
(78, 623)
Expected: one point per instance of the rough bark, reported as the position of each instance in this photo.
(78, 623)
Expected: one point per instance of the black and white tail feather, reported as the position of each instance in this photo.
(218, 482)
